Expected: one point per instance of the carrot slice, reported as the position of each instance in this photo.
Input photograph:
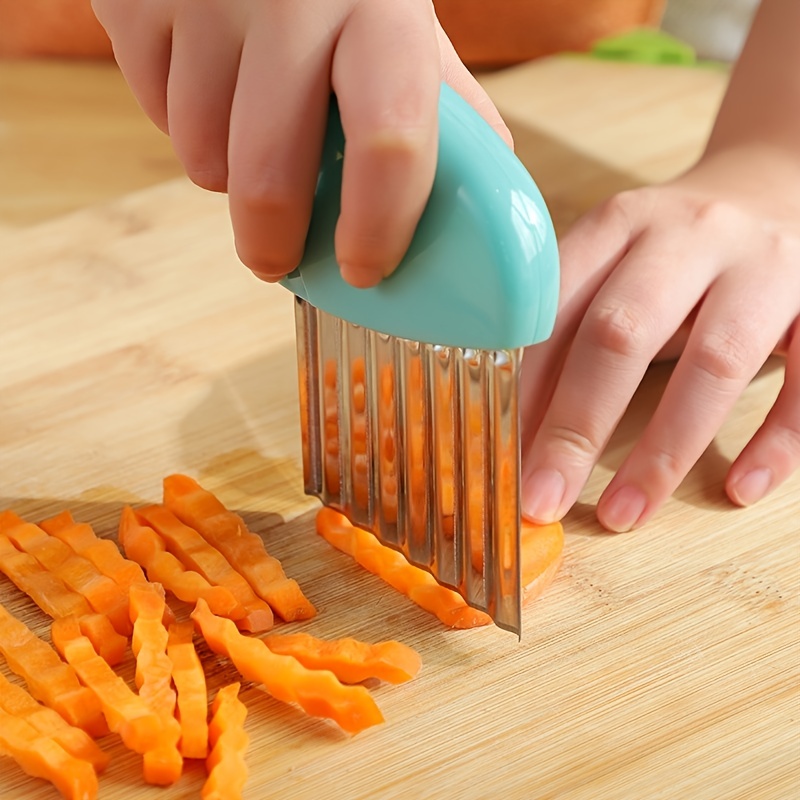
(227, 769)
(143, 544)
(318, 692)
(162, 762)
(43, 757)
(350, 660)
(190, 683)
(541, 547)
(15, 700)
(419, 586)
(47, 677)
(197, 554)
(103, 595)
(244, 549)
(111, 645)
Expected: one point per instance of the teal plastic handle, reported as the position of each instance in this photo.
(482, 270)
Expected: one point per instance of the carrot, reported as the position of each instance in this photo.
(244, 549)
(104, 638)
(143, 544)
(190, 683)
(47, 677)
(197, 554)
(103, 595)
(15, 700)
(162, 761)
(330, 402)
(227, 769)
(47, 590)
(419, 586)
(318, 692)
(541, 548)
(42, 757)
(350, 660)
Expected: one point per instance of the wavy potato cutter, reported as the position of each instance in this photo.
(409, 390)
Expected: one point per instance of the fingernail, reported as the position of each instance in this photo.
(543, 495)
(752, 486)
(623, 509)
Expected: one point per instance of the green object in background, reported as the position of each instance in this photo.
(644, 46)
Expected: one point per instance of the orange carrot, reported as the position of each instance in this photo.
(103, 595)
(47, 677)
(15, 700)
(244, 549)
(226, 766)
(143, 544)
(104, 638)
(541, 548)
(318, 692)
(419, 586)
(190, 683)
(162, 762)
(350, 660)
(197, 554)
(42, 757)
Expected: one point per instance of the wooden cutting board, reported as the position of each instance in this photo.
(662, 663)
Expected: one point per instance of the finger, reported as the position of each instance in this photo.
(734, 333)
(276, 129)
(388, 103)
(773, 454)
(141, 37)
(202, 77)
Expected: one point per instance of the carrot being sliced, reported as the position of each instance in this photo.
(43, 757)
(419, 586)
(103, 594)
(350, 660)
(245, 550)
(144, 545)
(47, 677)
(318, 692)
(15, 700)
(189, 678)
(195, 553)
(541, 548)
(226, 766)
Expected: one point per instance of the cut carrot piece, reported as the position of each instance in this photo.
(318, 692)
(103, 594)
(197, 554)
(43, 757)
(419, 586)
(350, 660)
(104, 638)
(47, 590)
(227, 769)
(244, 549)
(144, 545)
(541, 548)
(47, 677)
(15, 700)
(162, 762)
(190, 683)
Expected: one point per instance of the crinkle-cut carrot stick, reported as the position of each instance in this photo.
(419, 586)
(103, 595)
(42, 757)
(17, 701)
(110, 644)
(350, 660)
(103, 553)
(189, 678)
(162, 762)
(318, 692)
(47, 677)
(195, 553)
(125, 711)
(226, 766)
(47, 590)
(245, 550)
(144, 545)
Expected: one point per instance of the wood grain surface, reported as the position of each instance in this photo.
(660, 664)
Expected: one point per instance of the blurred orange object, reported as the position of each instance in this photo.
(497, 33)
(58, 28)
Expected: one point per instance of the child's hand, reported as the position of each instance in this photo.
(242, 87)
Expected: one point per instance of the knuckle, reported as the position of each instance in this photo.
(582, 447)
(724, 353)
(623, 330)
(718, 215)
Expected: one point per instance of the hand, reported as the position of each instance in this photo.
(242, 87)
(708, 264)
